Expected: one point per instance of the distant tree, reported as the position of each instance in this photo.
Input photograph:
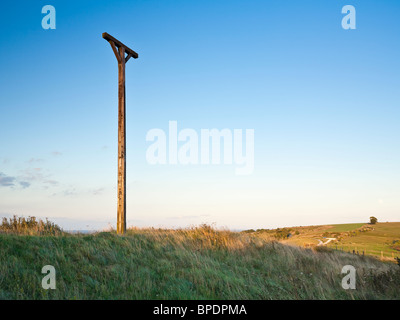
(373, 220)
(249, 231)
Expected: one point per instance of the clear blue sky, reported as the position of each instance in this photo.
(323, 101)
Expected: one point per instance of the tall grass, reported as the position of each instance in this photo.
(29, 226)
(194, 263)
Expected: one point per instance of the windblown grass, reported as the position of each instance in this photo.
(29, 226)
(195, 263)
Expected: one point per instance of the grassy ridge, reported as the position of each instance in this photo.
(198, 263)
(381, 240)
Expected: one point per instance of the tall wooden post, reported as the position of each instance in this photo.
(123, 54)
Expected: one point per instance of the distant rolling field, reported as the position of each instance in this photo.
(345, 227)
(381, 240)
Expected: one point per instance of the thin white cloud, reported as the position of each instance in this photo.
(98, 191)
(35, 160)
(189, 217)
(56, 153)
(70, 192)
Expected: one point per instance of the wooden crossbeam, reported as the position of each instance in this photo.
(119, 44)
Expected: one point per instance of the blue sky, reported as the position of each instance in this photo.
(323, 103)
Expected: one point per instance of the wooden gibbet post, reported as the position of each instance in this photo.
(123, 54)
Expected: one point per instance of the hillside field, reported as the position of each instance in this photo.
(381, 240)
(195, 263)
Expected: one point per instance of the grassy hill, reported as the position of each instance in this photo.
(381, 240)
(197, 263)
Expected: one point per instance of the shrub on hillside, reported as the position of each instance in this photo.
(249, 231)
(323, 249)
(283, 233)
(30, 225)
(373, 220)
